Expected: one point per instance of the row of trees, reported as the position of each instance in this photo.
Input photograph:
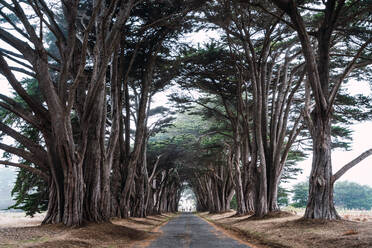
(82, 120)
(274, 89)
(94, 67)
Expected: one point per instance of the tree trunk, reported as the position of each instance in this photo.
(273, 193)
(228, 199)
(241, 208)
(74, 195)
(320, 202)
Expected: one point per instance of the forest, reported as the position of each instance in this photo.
(92, 141)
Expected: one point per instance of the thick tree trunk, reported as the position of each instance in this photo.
(261, 202)
(74, 195)
(249, 175)
(92, 176)
(139, 200)
(228, 199)
(127, 190)
(56, 198)
(273, 195)
(241, 208)
(73, 187)
(320, 202)
(54, 213)
(273, 186)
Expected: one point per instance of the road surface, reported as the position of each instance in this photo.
(190, 231)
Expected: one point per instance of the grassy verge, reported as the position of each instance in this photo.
(251, 236)
(116, 234)
(289, 230)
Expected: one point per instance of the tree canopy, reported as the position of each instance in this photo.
(90, 144)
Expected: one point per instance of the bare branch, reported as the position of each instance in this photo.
(155, 166)
(18, 44)
(279, 17)
(18, 11)
(21, 153)
(20, 31)
(345, 73)
(351, 164)
(11, 55)
(35, 106)
(22, 70)
(26, 167)
(53, 26)
(17, 109)
(35, 148)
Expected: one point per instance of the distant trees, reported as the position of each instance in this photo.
(352, 195)
(347, 195)
(300, 194)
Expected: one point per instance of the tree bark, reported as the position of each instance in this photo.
(320, 202)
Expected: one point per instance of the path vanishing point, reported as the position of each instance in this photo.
(190, 231)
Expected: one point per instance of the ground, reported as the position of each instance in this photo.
(288, 229)
(19, 231)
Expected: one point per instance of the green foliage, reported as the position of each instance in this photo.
(300, 194)
(29, 192)
(283, 197)
(347, 195)
(233, 203)
(352, 195)
(290, 170)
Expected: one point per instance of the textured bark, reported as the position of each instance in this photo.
(238, 182)
(320, 202)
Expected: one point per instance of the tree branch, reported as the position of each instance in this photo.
(26, 167)
(35, 106)
(345, 73)
(155, 166)
(28, 143)
(17, 109)
(350, 165)
(22, 153)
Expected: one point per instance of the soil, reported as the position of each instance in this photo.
(290, 230)
(117, 233)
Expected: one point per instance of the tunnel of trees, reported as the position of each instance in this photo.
(91, 143)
